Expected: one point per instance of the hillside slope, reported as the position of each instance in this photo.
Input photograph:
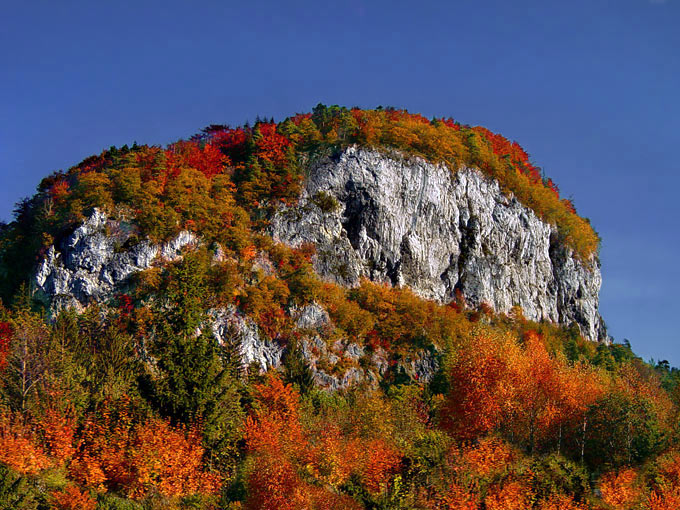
(348, 309)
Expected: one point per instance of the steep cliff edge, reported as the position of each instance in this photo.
(403, 220)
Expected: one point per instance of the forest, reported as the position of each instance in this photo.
(132, 403)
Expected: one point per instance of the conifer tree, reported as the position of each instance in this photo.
(196, 379)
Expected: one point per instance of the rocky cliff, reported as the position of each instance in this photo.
(96, 259)
(382, 216)
(405, 221)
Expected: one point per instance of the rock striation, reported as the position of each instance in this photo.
(407, 222)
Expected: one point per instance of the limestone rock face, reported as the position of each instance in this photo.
(229, 326)
(94, 260)
(411, 223)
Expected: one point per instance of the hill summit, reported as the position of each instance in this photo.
(383, 194)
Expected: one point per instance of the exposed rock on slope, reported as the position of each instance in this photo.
(386, 217)
(90, 263)
(229, 326)
(408, 222)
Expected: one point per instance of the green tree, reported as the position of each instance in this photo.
(196, 379)
(623, 430)
(15, 491)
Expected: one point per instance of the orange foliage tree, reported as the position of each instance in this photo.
(490, 455)
(117, 452)
(293, 468)
(29, 445)
(457, 497)
(72, 498)
(512, 495)
(619, 489)
(560, 502)
(58, 430)
(20, 447)
(522, 391)
(480, 384)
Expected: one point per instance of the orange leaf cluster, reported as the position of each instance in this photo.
(498, 384)
(513, 495)
(287, 457)
(58, 430)
(457, 498)
(72, 498)
(30, 445)
(490, 455)
(619, 489)
(19, 446)
(560, 502)
(138, 459)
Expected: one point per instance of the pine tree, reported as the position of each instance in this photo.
(196, 379)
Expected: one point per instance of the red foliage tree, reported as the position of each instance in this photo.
(5, 339)
(271, 146)
(207, 159)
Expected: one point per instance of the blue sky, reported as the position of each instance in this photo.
(589, 88)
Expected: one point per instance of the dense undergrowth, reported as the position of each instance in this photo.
(133, 403)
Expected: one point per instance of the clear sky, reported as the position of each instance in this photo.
(590, 88)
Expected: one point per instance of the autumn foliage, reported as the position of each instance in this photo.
(20, 447)
(116, 453)
(289, 458)
(5, 339)
(388, 401)
(445, 141)
(72, 498)
(619, 489)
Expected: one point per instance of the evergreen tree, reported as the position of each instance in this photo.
(196, 379)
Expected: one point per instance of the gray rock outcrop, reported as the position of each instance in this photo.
(377, 215)
(411, 223)
(230, 326)
(91, 263)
